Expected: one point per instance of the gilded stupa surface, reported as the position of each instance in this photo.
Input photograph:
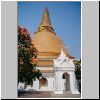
(48, 44)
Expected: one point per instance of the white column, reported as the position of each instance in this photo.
(21, 85)
(58, 83)
(50, 83)
(36, 84)
(72, 83)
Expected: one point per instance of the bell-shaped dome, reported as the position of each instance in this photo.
(48, 44)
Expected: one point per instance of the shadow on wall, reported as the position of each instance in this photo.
(67, 81)
(43, 82)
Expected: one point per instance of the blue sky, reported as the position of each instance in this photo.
(65, 18)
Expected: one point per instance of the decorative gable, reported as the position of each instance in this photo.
(63, 60)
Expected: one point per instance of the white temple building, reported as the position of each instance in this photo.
(61, 79)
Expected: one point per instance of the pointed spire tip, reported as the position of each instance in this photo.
(46, 9)
(45, 20)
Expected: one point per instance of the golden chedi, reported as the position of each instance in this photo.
(47, 42)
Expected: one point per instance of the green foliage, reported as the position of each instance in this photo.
(26, 52)
(78, 69)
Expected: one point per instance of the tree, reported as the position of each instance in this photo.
(78, 69)
(78, 74)
(27, 58)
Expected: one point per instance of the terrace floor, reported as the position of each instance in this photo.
(46, 94)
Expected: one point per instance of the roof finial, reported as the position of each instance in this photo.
(46, 12)
(45, 21)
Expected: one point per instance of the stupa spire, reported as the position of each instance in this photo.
(45, 22)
